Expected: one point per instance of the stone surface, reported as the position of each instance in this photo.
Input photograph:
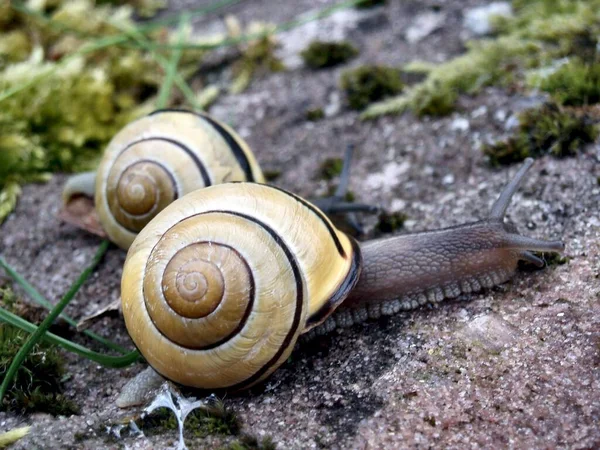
(479, 20)
(410, 381)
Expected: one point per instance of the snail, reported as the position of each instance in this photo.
(150, 163)
(159, 158)
(218, 287)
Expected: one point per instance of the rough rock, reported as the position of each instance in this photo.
(410, 381)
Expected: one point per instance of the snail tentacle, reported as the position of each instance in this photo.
(336, 203)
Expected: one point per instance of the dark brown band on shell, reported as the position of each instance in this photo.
(232, 143)
(322, 218)
(342, 291)
(187, 150)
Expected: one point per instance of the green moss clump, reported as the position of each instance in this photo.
(367, 84)
(199, 423)
(60, 105)
(555, 259)
(145, 8)
(320, 54)
(574, 84)
(315, 114)
(435, 102)
(545, 130)
(37, 385)
(370, 3)
(390, 222)
(540, 32)
(331, 168)
(272, 175)
(258, 57)
(248, 442)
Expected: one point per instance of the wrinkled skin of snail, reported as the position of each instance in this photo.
(152, 162)
(219, 285)
(306, 277)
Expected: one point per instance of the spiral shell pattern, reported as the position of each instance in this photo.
(218, 286)
(161, 157)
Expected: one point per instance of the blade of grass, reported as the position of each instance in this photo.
(303, 19)
(144, 43)
(171, 69)
(54, 313)
(39, 298)
(105, 360)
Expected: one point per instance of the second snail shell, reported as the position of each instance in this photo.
(224, 280)
(161, 157)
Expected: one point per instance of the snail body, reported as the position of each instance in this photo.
(152, 162)
(292, 270)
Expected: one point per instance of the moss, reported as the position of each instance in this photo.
(37, 386)
(370, 3)
(390, 222)
(14, 46)
(199, 423)
(331, 168)
(574, 84)
(367, 84)
(258, 57)
(485, 63)
(321, 54)
(435, 102)
(555, 259)
(430, 420)
(248, 442)
(272, 175)
(545, 130)
(539, 32)
(145, 8)
(315, 114)
(59, 113)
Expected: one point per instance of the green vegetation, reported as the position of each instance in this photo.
(10, 437)
(367, 84)
(539, 33)
(258, 58)
(144, 8)
(555, 259)
(248, 442)
(549, 129)
(390, 222)
(63, 97)
(574, 84)
(315, 114)
(217, 420)
(37, 385)
(271, 175)
(320, 54)
(331, 168)
(363, 4)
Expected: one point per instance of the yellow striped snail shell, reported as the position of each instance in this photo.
(219, 285)
(157, 159)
